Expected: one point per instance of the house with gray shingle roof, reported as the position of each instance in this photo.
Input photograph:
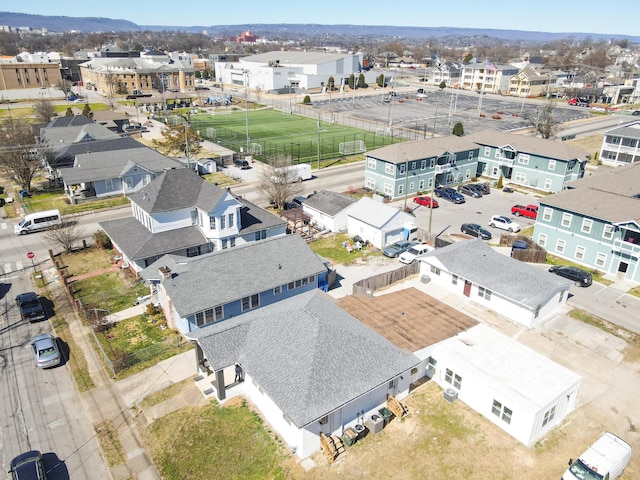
(328, 210)
(308, 366)
(179, 213)
(523, 293)
(110, 173)
(379, 224)
(595, 222)
(621, 145)
(198, 291)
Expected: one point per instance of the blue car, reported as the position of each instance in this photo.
(449, 194)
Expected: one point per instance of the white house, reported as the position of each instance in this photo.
(379, 224)
(328, 210)
(523, 293)
(519, 390)
(307, 365)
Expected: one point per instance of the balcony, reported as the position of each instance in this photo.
(627, 248)
(445, 168)
(507, 162)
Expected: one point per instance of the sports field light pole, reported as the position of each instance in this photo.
(246, 105)
(187, 125)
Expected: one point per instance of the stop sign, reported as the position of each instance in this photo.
(30, 254)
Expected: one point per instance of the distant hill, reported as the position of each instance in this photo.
(99, 24)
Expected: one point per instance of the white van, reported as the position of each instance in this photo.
(34, 222)
(605, 459)
(296, 173)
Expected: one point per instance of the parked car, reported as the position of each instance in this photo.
(530, 211)
(505, 223)
(397, 248)
(28, 466)
(410, 255)
(635, 113)
(470, 190)
(30, 307)
(45, 351)
(298, 201)
(135, 129)
(475, 230)
(449, 194)
(580, 277)
(426, 201)
(483, 187)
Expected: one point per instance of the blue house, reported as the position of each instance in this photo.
(202, 290)
(595, 222)
(538, 163)
(402, 169)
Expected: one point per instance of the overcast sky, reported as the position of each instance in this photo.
(542, 15)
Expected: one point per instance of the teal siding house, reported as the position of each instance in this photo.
(595, 222)
(538, 163)
(404, 169)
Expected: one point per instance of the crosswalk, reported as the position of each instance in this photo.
(12, 267)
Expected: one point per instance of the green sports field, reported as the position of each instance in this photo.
(272, 132)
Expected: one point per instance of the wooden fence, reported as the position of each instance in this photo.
(534, 253)
(368, 286)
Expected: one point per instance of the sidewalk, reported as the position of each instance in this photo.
(105, 402)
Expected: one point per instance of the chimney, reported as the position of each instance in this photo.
(165, 272)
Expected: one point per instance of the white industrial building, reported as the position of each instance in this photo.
(302, 71)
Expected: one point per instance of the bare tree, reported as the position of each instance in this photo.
(65, 235)
(174, 140)
(45, 111)
(19, 155)
(543, 120)
(279, 181)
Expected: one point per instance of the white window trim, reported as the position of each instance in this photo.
(587, 225)
(566, 218)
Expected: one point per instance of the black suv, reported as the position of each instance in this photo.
(580, 277)
(30, 307)
(28, 466)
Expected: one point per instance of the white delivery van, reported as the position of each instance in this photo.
(34, 222)
(606, 459)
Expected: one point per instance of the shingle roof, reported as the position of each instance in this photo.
(329, 203)
(555, 149)
(90, 167)
(66, 156)
(57, 138)
(224, 276)
(176, 189)
(475, 261)
(608, 194)
(433, 147)
(138, 243)
(630, 130)
(308, 355)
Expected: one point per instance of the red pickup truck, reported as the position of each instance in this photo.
(530, 211)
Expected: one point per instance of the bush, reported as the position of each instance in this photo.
(307, 100)
(102, 240)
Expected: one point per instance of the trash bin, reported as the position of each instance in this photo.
(386, 414)
(350, 436)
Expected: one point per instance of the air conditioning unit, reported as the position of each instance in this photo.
(450, 395)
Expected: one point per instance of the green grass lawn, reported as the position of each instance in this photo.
(277, 132)
(214, 442)
(108, 292)
(332, 249)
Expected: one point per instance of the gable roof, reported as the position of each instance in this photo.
(176, 189)
(377, 214)
(57, 138)
(307, 354)
(90, 167)
(227, 275)
(329, 203)
(421, 149)
(477, 262)
(629, 130)
(608, 194)
(65, 157)
(541, 147)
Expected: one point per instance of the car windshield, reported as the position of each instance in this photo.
(581, 471)
(46, 351)
(30, 302)
(413, 250)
